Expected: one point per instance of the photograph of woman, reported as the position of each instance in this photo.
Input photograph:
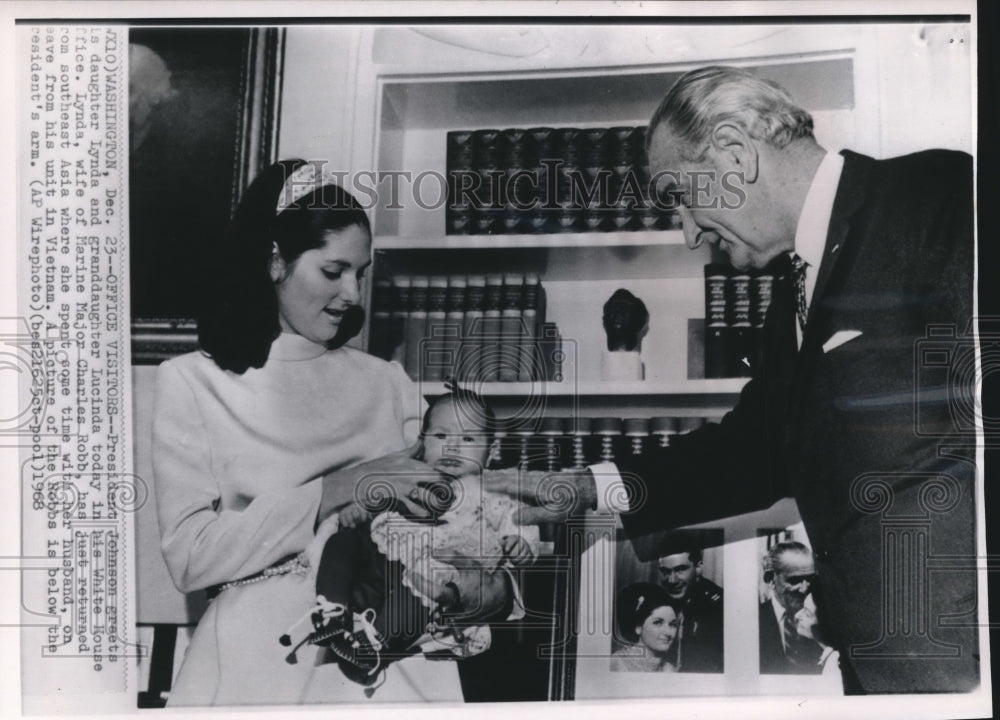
(649, 621)
(272, 427)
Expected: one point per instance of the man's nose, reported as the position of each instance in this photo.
(690, 228)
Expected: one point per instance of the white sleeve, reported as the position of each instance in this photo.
(413, 404)
(606, 476)
(203, 545)
(517, 612)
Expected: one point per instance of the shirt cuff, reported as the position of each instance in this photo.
(606, 478)
(517, 612)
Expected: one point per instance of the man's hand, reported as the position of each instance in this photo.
(516, 549)
(556, 496)
(395, 482)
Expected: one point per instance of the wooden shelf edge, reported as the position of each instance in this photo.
(722, 386)
(563, 240)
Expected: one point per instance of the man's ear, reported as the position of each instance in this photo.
(735, 149)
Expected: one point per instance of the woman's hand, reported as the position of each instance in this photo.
(481, 595)
(354, 515)
(395, 482)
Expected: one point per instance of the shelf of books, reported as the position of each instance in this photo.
(565, 388)
(550, 241)
(531, 205)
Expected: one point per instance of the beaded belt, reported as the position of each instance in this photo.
(291, 566)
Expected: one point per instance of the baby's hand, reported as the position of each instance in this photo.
(516, 549)
(353, 515)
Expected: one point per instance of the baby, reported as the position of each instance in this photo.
(377, 578)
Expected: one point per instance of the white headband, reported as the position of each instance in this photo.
(300, 183)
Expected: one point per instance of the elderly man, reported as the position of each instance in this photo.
(788, 628)
(874, 258)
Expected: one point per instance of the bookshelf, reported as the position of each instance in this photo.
(417, 103)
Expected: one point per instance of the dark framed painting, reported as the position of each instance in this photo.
(203, 120)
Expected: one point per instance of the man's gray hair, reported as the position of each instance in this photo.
(702, 98)
(772, 560)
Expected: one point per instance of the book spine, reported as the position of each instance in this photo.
(432, 362)
(510, 326)
(378, 329)
(470, 355)
(761, 287)
(570, 175)
(542, 216)
(416, 324)
(597, 176)
(488, 163)
(528, 361)
(460, 157)
(489, 366)
(738, 319)
(550, 346)
(398, 316)
(626, 194)
(518, 186)
(716, 327)
(451, 342)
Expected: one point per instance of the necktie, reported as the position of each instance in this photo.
(799, 281)
(779, 336)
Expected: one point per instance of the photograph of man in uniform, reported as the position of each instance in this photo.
(700, 601)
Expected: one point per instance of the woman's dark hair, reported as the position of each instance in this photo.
(470, 407)
(241, 320)
(636, 603)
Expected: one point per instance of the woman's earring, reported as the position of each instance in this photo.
(276, 265)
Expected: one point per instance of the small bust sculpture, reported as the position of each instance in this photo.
(625, 321)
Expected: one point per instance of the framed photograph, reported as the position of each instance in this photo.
(678, 614)
(204, 108)
(792, 636)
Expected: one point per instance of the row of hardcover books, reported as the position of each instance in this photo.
(552, 180)
(556, 443)
(735, 305)
(471, 328)
(155, 340)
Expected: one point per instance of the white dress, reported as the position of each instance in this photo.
(236, 460)
(473, 527)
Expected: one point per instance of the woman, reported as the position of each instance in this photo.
(649, 621)
(267, 432)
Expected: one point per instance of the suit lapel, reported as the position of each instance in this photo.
(851, 192)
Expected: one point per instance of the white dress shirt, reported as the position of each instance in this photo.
(814, 221)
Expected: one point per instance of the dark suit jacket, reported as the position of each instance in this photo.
(772, 652)
(858, 434)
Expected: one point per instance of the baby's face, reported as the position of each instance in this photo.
(451, 446)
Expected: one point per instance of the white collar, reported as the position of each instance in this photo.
(814, 220)
(291, 346)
